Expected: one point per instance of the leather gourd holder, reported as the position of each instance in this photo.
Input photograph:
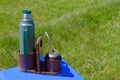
(33, 64)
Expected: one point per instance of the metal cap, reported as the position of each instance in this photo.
(26, 15)
(26, 12)
(53, 54)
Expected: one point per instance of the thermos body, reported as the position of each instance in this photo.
(27, 44)
(27, 32)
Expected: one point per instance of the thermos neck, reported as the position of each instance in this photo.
(26, 16)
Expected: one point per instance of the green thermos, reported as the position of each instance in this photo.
(27, 42)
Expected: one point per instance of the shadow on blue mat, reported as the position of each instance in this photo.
(65, 70)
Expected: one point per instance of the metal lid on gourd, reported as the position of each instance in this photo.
(53, 54)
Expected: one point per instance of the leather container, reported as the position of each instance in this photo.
(27, 62)
(53, 64)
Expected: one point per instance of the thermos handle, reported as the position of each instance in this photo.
(38, 52)
(25, 37)
(39, 44)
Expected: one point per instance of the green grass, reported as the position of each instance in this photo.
(85, 32)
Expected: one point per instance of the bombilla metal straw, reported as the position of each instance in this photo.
(49, 40)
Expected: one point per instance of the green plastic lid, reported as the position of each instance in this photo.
(26, 12)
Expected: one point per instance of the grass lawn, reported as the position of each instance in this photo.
(85, 32)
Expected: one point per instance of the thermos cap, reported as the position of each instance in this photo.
(26, 15)
(53, 54)
(26, 12)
